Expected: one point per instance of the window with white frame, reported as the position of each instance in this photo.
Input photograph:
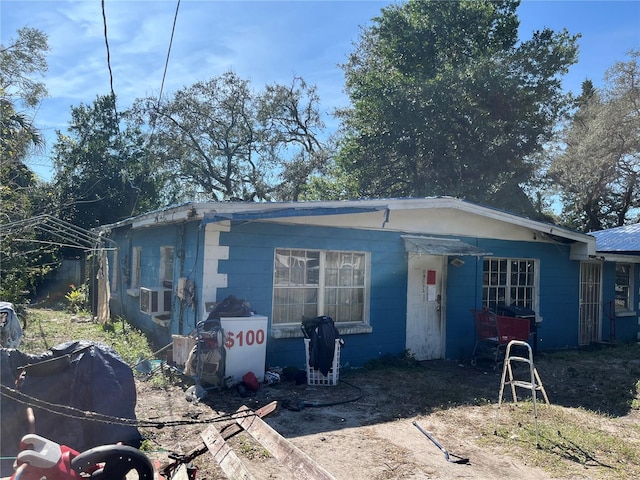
(623, 287)
(166, 266)
(136, 262)
(310, 283)
(508, 281)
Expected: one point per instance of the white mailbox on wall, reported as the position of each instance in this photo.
(245, 343)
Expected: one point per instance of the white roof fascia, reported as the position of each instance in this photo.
(170, 215)
(618, 257)
(582, 250)
(195, 211)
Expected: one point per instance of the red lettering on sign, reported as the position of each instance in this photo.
(244, 338)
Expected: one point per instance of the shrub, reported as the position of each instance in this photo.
(78, 298)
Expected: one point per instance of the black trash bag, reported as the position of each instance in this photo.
(323, 334)
(230, 307)
(87, 376)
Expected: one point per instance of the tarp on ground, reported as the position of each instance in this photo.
(10, 329)
(86, 376)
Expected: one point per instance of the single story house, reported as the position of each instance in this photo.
(394, 274)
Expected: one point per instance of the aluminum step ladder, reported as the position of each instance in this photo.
(533, 383)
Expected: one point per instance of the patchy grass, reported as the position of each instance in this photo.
(606, 447)
(47, 328)
(590, 430)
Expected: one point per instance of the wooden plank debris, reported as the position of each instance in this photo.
(222, 453)
(295, 460)
(298, 464)
(229, 431)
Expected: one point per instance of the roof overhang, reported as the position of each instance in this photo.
(283, 213)
(379, 214)
(441, 246)
(618, 257)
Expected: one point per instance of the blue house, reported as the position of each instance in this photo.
(395, 275)
(619, 249)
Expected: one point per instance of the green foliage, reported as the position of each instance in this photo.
(447, 101)
(77, 298)
(221, 140)
(335, 184)
(21, 60)
(23, 259)
(103, 172)
(252, 450)
(596, 160)
(47, 328)
(565, 435)
(146, 446)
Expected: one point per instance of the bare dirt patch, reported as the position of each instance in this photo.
(363, 427)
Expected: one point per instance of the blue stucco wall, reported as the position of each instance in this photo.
(558, 289)
(624, 327)
(187, 241)
(249, 272)
(250, 277)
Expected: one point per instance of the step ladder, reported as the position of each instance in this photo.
(533, 383)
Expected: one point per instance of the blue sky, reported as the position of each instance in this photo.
(262, 41)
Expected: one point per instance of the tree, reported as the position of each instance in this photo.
(20, 61)
(290, 118)
(597, 163)
(24, 262)
(445, 101)
(103, 172)
(220, 140)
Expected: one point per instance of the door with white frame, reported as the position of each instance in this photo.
(425, 317)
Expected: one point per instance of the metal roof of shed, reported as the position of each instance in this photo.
(625, 239)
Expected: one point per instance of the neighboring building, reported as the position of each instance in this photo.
(619, 248)
(393, 274)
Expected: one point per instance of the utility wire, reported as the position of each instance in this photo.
(157, 106)
(106, 41)
(166, 63)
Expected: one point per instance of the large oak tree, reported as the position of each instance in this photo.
(221, 140)
(446, 100)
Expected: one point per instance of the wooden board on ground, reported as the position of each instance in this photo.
(295, 460)
(229, 431)
(222, 453)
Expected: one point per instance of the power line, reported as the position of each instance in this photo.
(106, 41)
(166, 64)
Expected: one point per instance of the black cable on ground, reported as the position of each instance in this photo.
(307, 404)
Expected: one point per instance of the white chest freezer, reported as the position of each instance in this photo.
(245, 343)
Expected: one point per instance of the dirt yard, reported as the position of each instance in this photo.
(362, 429)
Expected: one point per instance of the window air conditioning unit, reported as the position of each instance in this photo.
(155, 301)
